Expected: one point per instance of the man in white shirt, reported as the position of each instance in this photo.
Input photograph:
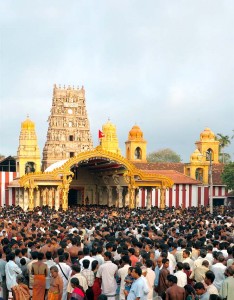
(209, 279)
(107, 273)
(12, 270)
(181, 276)
(219, 269)
(86, 256)
(65, 273)
(122, 273)
(150, 277)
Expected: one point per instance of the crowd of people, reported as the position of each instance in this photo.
(99, 253)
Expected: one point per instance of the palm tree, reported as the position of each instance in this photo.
(224, 141)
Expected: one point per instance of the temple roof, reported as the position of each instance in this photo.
(179, 167)
(177, 177)
(56, 165)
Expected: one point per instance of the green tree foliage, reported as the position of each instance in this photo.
(163, 155)
(228, 175)
(224, 141)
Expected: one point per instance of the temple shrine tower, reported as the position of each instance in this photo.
(110, 140)
(28, 158)
(136, 145)
(69, 131)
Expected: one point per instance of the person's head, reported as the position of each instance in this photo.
(48, 255)
(94, 265)
(74, 282)
(171, 279)
(159, 261)
(126, 260)
(203, 253)
(136, 272)
(130, 271)
(229, 271)
(205, 263)
(209, 277)
(179, 266)
(62, 258)
(40, 256)
(199, 288)
(86, 263)
(149, 263)
(189, 290)
(23, 261)
(54, 271)
(131, 251)
(19, 278)
(221, 258)
(76, 269)
(215, 297)
(165, 263)
(107, 256)
(186, 253)
(34, 255)
(186, 266)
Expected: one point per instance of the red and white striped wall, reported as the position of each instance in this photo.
(190, 195)
(7, 195)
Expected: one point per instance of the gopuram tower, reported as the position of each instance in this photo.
(68, 132)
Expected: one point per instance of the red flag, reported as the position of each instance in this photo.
(100, 134)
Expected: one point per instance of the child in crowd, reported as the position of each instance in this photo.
(128, 282)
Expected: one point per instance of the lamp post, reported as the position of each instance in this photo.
(209, 153)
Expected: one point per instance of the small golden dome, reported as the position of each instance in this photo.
(28, 124)
(207, 134)
(108, 126)
(135, 133)
(195, 156)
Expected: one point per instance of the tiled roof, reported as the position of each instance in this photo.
(179, 167)
(177, 177)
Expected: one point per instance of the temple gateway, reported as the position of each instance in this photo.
(74, 172)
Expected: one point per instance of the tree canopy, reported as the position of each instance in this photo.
(164, 155)
(228, 175)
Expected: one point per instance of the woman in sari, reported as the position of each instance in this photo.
(39, 272)
(56, 285)
(21, 290)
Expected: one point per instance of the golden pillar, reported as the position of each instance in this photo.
(162, 198)
(56, 202)
(65, 189)
(132, 197)
(31, 198)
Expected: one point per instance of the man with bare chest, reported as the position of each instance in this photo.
(174, 292)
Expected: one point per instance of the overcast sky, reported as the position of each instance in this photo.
(167, 66)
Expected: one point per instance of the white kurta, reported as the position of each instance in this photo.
(107, 273)
(12, 270)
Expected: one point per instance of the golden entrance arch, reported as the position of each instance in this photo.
(108, 170)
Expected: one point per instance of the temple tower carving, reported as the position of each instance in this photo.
(28, 155)
(68, 131)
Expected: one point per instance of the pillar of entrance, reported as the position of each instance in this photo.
(56, 199)
(64, 199)
(37, 198)
(50, 198)
(119, 190)
(17, 193)
(149, 198)
(109, 196)
(25, 202)
(31, 199)
(162, 198)
(100, 194)
(44, 197)
(132, 197)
